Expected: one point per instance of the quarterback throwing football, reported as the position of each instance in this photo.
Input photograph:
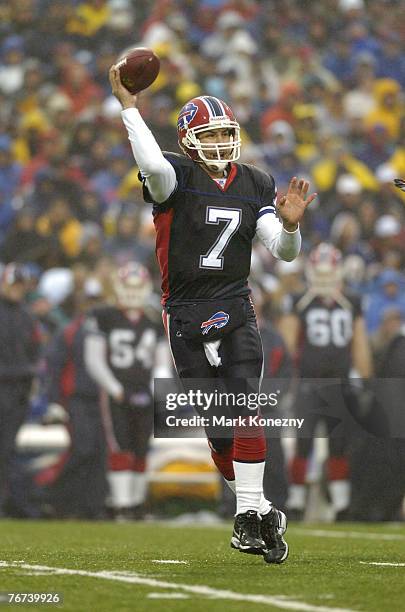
(207, 209)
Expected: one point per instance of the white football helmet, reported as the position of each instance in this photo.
(132, 286)
(324, 270)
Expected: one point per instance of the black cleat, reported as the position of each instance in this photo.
(273, 527)
(246, 535)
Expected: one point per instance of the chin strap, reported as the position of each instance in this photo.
(217, 167)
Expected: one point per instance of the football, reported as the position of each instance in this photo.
(138, 69)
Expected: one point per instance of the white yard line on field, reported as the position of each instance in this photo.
(167, 596)
(188, 588)
(169, 561)
(362, 535)
(382, 564)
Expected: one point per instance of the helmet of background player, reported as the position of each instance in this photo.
(204, 114)
(324, 270)
(132, 286)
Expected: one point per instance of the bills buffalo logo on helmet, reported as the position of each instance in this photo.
(187, 114)
(205, 114)
(217, 320)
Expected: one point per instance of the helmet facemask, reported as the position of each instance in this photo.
(324, 280)
(324, 270)
(231, 148)
(132, 287)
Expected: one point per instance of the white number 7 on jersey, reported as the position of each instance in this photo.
(232, 216)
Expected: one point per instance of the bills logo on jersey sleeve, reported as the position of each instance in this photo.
(187, 114)
(217, 320)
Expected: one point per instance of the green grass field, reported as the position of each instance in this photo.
(112, 567)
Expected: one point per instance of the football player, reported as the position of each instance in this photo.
(207, 209)
(120, 353)
(325, 331)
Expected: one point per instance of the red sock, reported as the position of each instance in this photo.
(298, 470)
(338, 468)
(121, 461)
(249, 444)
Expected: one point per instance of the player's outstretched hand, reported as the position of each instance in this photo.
(400, 183)
(292, 205)
(126, 99)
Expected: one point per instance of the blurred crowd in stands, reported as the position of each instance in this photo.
(318, 88)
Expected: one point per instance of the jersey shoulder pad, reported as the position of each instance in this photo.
(177, 159)
(301, 302)
(183, 167)
(97, 320)
(265, 183)
(261, 177)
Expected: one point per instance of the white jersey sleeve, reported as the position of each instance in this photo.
(270, 231)
(159, 173)
(95, 359)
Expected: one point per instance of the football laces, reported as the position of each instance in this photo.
(400, 183)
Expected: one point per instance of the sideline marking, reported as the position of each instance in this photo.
(269, 600)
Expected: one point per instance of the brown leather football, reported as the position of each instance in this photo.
(138, 69)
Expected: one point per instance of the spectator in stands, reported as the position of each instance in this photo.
(377, 146)
(388, 108)
(336, 161)
(388, 237)
(348, 196)
(12, 64)
(10, 174)
(283, 109)
(391, 61)
(81, 90)
(345, 234)
(125, 246)
(388, 293)
(338, 59)
(23, 243)
(91, 244)
(60, 225)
